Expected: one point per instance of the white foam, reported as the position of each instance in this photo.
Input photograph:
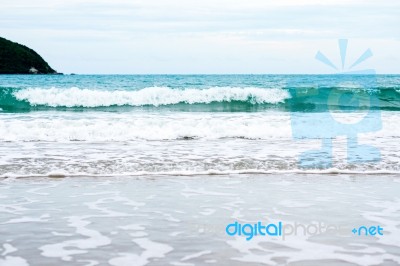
(8, 249)
(193, 173)
(65, 127)
(139, 143)
(13, 261)
(76, 97)
(125, 127)
(196, 255)
(65, 251)
(151, 250)
(41, 219)
(134, 227)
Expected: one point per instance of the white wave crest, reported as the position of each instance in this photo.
(156, 96)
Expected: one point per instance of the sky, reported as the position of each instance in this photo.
(204, 37)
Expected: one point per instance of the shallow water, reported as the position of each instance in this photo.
(151, 169)
(177, 220)
(196, 124)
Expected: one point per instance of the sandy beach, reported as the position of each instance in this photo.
(181, 220)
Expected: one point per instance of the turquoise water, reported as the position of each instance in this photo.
(192, 124)
(193, 93)
(149, 170)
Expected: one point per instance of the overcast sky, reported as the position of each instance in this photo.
(208, 36)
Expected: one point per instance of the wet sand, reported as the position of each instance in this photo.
(181, 220)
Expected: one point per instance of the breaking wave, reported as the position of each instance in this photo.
(194, 99)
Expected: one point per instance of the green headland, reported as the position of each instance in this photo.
(16, 58)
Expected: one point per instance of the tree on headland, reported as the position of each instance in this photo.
(19, 59)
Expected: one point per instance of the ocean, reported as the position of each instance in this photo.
(150, 169)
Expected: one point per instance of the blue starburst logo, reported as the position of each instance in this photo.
(343, 53)
(346, 112)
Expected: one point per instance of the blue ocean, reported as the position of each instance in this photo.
(188, 124)
(151, 169)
